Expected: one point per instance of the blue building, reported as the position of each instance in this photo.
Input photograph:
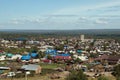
(34, 55)
(26, 57)
(51, 51)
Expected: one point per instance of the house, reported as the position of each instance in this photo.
(32, 67)
(2, 69)
(99, 68)
(113, 59)
(82, 57)
(51, 51)
(79, 51)
(30, 57)
(110, 59)
(102, 57)
(45, 47)
(63, 57)
(17, 56)
(2, 58)
(1, 51)
(34, 55)
(9, 55)
(26, 57)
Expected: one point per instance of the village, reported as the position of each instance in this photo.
(23, 58)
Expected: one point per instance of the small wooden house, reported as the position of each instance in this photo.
(32, 67)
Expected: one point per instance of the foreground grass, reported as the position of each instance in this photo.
(109, 77)
(36, 77)
(47, 69)
(51, 66)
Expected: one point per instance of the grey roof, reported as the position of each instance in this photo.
(30, 67)
(4, 68)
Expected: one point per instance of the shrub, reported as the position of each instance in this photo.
(103, 78)
(77, 75)
(116, 72)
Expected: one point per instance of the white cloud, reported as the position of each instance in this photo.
(83, 18)
(72, 21)
(88, 9)
(101, 22)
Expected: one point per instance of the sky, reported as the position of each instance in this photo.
(59, 14)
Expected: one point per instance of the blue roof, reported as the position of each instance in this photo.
(9, 54)
(63, 55)
(26, 57)
(79, 51)
(51, 51)
(20, 39)
(34, 51)
(34, 55)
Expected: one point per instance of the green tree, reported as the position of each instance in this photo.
(103, 78)
(116, 72)
(77, 60)
(76, 75)
(60, 47)
(41, 54)
(49, 57)
(92, 55)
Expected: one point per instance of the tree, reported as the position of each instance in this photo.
(77, 60)
(41, 54)
(116, 72)
(49, 57)
(76, 75)
(103, 78)
(93, 55)
(34, 48)
(60, 47)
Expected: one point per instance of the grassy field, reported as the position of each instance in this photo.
(109, 77)
(51, 66)
(47, 71)
(47, 77)
(36, 77)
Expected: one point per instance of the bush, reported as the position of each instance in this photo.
(116, 72)
(103, 78)
(47, 71)
(20, 75)
(118, 78)
(77, 75)
(32, 73)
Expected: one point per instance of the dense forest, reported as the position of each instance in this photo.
(38, 34)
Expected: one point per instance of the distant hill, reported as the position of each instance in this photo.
(82, 31)
(89, 33)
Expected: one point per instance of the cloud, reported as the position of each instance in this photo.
(94, 9)
(1, 25)
(15, 22)
(101, 22)
(83, 18)
(65, 22)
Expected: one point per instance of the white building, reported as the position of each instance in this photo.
(82, 38)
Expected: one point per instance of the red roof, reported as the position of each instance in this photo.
(46, 60)
(102, 57)
(63, 57)
(1, 51)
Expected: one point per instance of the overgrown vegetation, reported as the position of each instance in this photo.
(103, 78)
(116, 72)
(77, 75)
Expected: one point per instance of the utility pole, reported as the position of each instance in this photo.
(26, 73)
